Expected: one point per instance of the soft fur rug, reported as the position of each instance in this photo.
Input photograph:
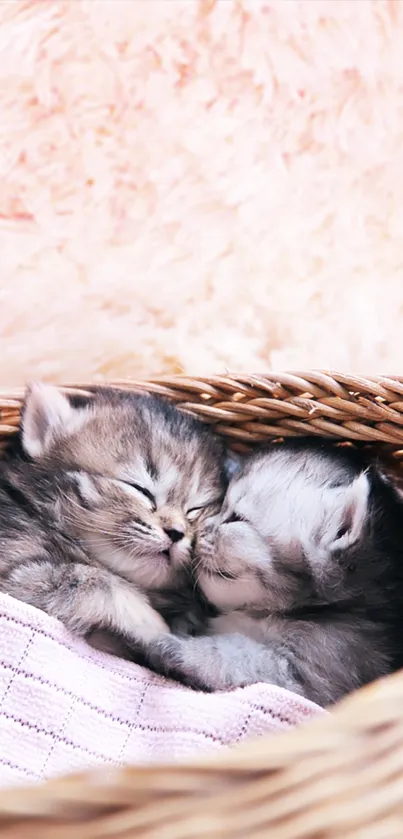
(200, 185)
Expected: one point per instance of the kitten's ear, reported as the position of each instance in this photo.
(46, 415)
(347, 511)
(232, 463)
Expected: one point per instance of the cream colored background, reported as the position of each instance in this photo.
(200, 186)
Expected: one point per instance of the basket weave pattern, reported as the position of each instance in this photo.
(251, 409)
(339, 776)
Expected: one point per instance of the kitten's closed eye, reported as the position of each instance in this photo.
(142, 490)
(194, 512)
(234, 517)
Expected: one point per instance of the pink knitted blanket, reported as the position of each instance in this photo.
(64, 706)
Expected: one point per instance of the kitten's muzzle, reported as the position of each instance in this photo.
(174, 534)
(176, 546)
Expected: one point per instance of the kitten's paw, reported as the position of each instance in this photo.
(167, 656)
(152, 626)
(134, 617)
(147, 625)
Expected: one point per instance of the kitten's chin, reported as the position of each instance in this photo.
(179, 554)
(156, 572)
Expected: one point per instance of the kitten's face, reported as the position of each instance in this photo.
(135, 476)
(287, 534)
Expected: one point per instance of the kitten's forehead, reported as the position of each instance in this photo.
(147, 441)
(282, 475)
(319, 468)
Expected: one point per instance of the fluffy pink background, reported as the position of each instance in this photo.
(198, 186)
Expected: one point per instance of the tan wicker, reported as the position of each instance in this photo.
(340, 776)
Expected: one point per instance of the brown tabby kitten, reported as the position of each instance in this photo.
(98, 506)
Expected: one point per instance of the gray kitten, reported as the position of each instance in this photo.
(305, 565)
(98, 508)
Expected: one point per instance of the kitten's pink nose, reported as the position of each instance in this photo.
(174, 534)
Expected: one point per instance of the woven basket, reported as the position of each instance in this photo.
(339, 776)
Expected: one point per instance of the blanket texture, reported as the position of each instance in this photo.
(64, 706)
(199, 185)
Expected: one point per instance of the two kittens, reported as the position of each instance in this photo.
(116, 517)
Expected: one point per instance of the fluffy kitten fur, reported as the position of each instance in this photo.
(98, 509)
(305, 564)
